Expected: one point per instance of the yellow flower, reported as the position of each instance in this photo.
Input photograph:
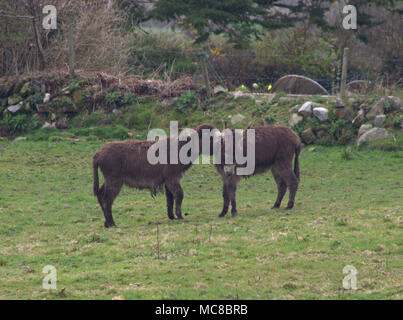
(269, 87)
(216, 51)
(243, 87)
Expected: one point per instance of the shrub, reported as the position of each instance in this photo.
(18, 124)
(397, 122)
(295, 51)
(185, 102)
(92, 119)
(112, 99)
(91, 138)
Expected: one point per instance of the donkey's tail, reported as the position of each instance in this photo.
(296, 162)
(96, 179)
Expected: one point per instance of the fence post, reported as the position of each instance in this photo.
(344, 74)
(71, 53)
(202, 56)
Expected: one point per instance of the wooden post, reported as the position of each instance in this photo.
(344, 74)
(202, 56)
(71, 53)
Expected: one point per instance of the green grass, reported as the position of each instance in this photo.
(346, 213)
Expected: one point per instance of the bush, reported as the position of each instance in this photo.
(92, 120)
(185, 102)
(19, 123)
(295, 51)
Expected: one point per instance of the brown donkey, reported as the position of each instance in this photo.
(275, 147)
(126, 163)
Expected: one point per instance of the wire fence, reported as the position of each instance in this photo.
(244, 68)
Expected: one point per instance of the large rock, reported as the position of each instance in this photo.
(237, 118)
(308, 136)
(364, 128)
(295, 119)
(379, 120)
(306, 108)
(376, 109)
(373, 134)
(320, 113)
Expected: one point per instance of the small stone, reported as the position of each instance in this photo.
(46, 99)
(15, 99)
(379, 120)
(15, 108)
(308, 136)
(376, 109)
(344, 114)
(237, 118)
(395, 102)
(295, 119)
(320, 113)
(20, 139)
(306, 108)
(49, 125)
(219, 89)
(240, 94)
(339, 103)
(359, 119)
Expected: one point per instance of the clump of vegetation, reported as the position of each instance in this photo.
(17, 124)
(43, 134)
(115, 99)
(186, 102)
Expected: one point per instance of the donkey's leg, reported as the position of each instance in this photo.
(232, 186)
(100, 196)
(112, 189)
(281, 188)
(170, 203)
(225, 200)
(287, 174)
(177, 192)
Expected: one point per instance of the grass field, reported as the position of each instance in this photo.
(347, 212)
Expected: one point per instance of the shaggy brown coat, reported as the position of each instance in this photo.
(125, 163)
(275, 147)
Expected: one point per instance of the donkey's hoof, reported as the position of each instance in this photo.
(221, 215)
(109, 225)
(234, 214)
